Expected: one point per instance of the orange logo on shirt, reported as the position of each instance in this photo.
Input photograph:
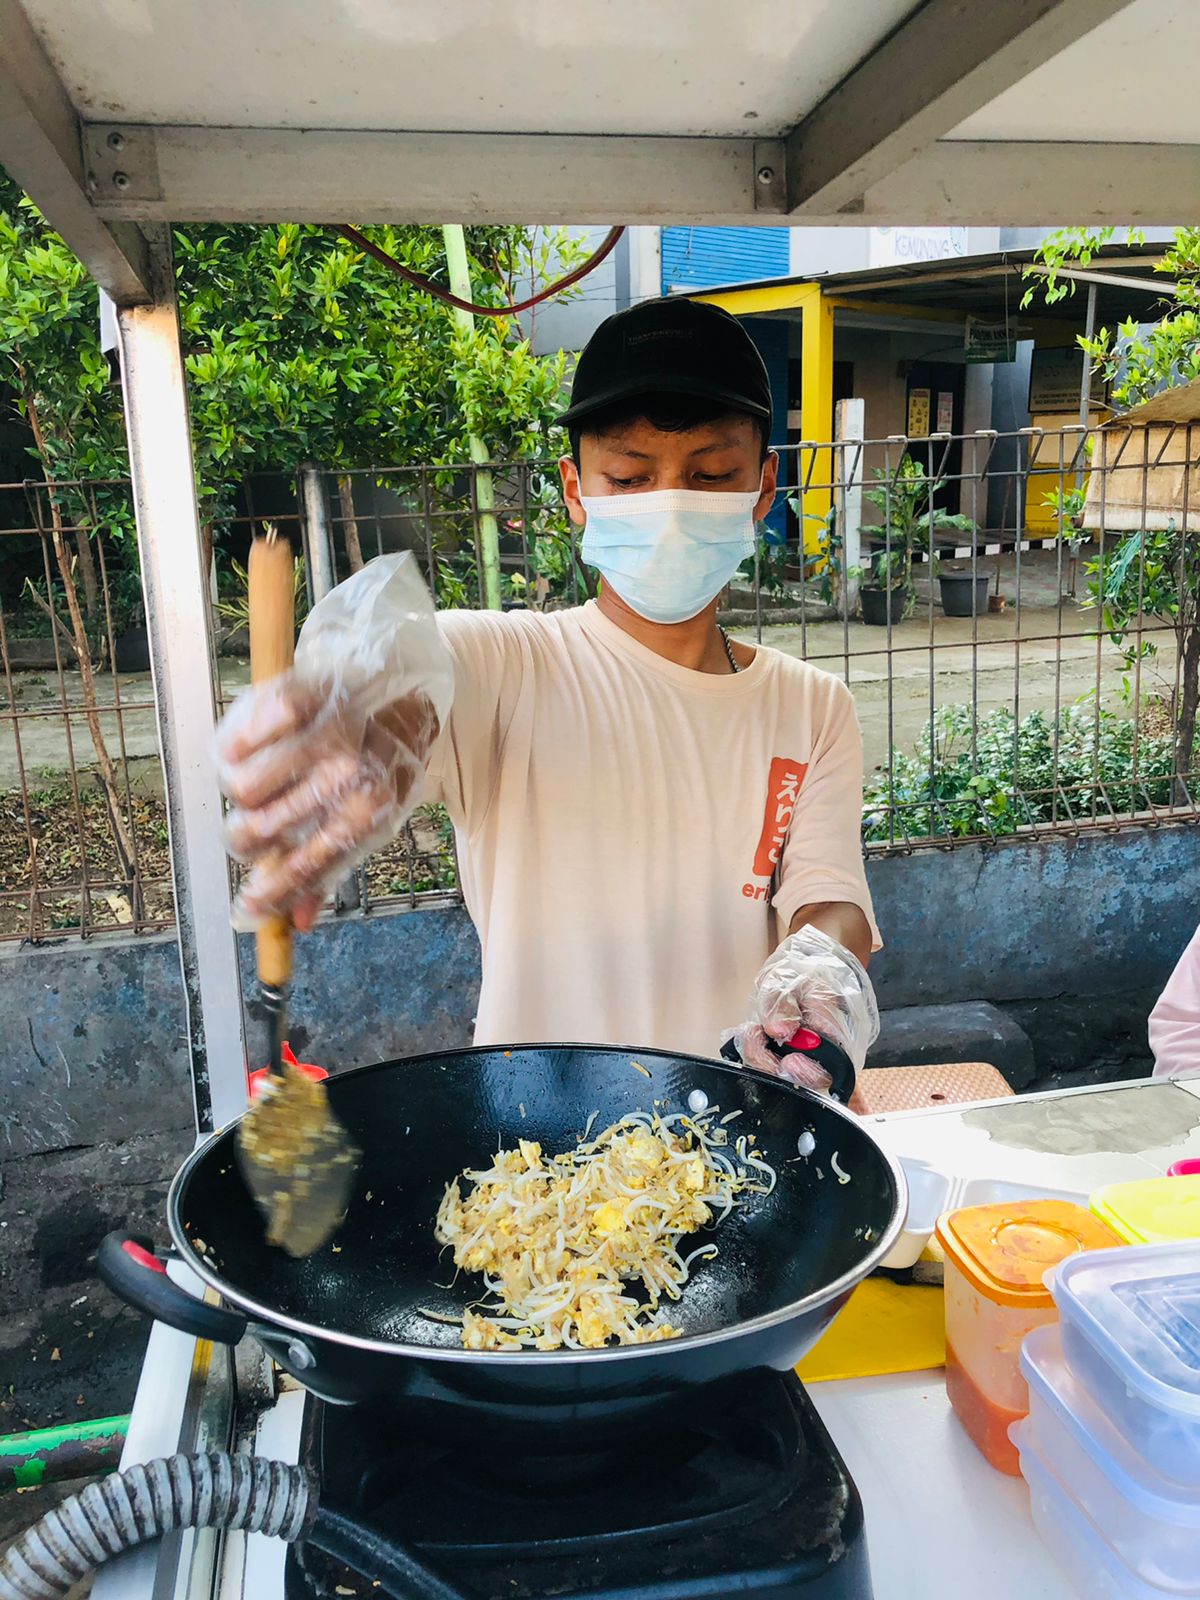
(783, 791)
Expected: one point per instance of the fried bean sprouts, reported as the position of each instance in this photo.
(561, 1240)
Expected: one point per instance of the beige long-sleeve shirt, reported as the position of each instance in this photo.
(635, 837)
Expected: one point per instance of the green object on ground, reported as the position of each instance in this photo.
(55, 1455)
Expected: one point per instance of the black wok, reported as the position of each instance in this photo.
(348, 1321)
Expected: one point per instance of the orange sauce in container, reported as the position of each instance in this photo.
(997, 1257)
(987, 1421)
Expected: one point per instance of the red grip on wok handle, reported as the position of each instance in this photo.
(824, 1052)
(134, 1273)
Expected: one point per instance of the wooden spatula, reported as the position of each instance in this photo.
(296, 1158)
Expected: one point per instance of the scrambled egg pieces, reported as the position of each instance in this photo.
(558, 1239)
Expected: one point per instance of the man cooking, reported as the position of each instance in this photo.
(657, 826)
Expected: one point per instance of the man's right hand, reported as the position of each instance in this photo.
(323, 764)
(315, 784)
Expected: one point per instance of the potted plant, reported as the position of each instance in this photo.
(909, 524)
(964, 593)
(131, 642)
(884, 587)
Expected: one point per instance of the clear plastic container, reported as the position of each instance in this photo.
(997, 1257)
(1092, 1565)
(1152, 1523)
(1131, 1335)
(1152, 1210)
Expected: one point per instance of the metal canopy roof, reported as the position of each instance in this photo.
(1127, 284)
(127, 114)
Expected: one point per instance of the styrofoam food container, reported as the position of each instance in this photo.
(1093, 1566)
(1131, 1334)
(928, 1196)
(932, 1192)
(993, 1191)
(1152, 1523)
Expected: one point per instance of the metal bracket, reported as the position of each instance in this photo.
(770, 175)
(121, 162)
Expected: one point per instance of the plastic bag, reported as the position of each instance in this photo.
(325, 762)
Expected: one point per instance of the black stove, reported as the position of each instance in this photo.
(746, 1496)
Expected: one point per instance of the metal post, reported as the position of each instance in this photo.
(317, 537)
(316, 534)
(850, 429)
(180, 627)
(486, 524)
(1085, 387)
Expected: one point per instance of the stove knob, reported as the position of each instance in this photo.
(300, 1356)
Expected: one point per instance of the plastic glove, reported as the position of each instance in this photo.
(325, 762)
(813, 982)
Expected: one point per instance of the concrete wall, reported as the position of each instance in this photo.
(92, 1036)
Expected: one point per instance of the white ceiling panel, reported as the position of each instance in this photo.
(1131, 81)
(752, 68)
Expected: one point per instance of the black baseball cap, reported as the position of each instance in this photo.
(670, 347)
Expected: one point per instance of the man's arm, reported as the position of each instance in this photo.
(842, 921)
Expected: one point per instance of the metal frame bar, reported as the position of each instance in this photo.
(981, 183)
(190, 174)
(941, 65)
(39, 145)
(179, 625)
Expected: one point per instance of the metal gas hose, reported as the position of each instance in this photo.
(110, 1517)
(203, 1491)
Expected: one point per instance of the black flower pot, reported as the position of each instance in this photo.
(131, 648)
(964, 594)
(881, 606)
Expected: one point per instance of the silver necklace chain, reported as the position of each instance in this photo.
(733, 666)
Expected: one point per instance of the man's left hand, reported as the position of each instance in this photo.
(811, 982)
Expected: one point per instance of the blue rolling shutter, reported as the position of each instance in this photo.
(700, 258)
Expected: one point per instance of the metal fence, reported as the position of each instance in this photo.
(1018, 617)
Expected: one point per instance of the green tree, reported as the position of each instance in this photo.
(1152, 572)
(910, 523)
(1137, 359)
(297, 348)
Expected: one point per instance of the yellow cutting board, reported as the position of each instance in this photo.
(885, 1327)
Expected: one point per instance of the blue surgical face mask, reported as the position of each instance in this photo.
(670, 552)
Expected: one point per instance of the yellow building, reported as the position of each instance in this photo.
(943, 348)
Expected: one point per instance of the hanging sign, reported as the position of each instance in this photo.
(945, 411)
(918, 413)
(990, 341)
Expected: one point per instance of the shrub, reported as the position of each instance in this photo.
(1012, 774)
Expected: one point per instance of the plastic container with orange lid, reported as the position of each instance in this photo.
(1151, 1210)
(997, 1257)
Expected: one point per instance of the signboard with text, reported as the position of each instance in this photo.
(1056, 381)
(990, 341)
(918, 413)
(897, 247)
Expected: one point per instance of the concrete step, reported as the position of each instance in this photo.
(972, 1030)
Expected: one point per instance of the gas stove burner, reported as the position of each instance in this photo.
(746, 1495)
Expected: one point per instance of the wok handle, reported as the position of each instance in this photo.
(130, 1268)
(823, 1051)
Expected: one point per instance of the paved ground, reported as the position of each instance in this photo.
(1044, 656)
(998, 659)
(68, 1348)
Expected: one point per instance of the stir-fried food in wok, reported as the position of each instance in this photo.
(561, 1240)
